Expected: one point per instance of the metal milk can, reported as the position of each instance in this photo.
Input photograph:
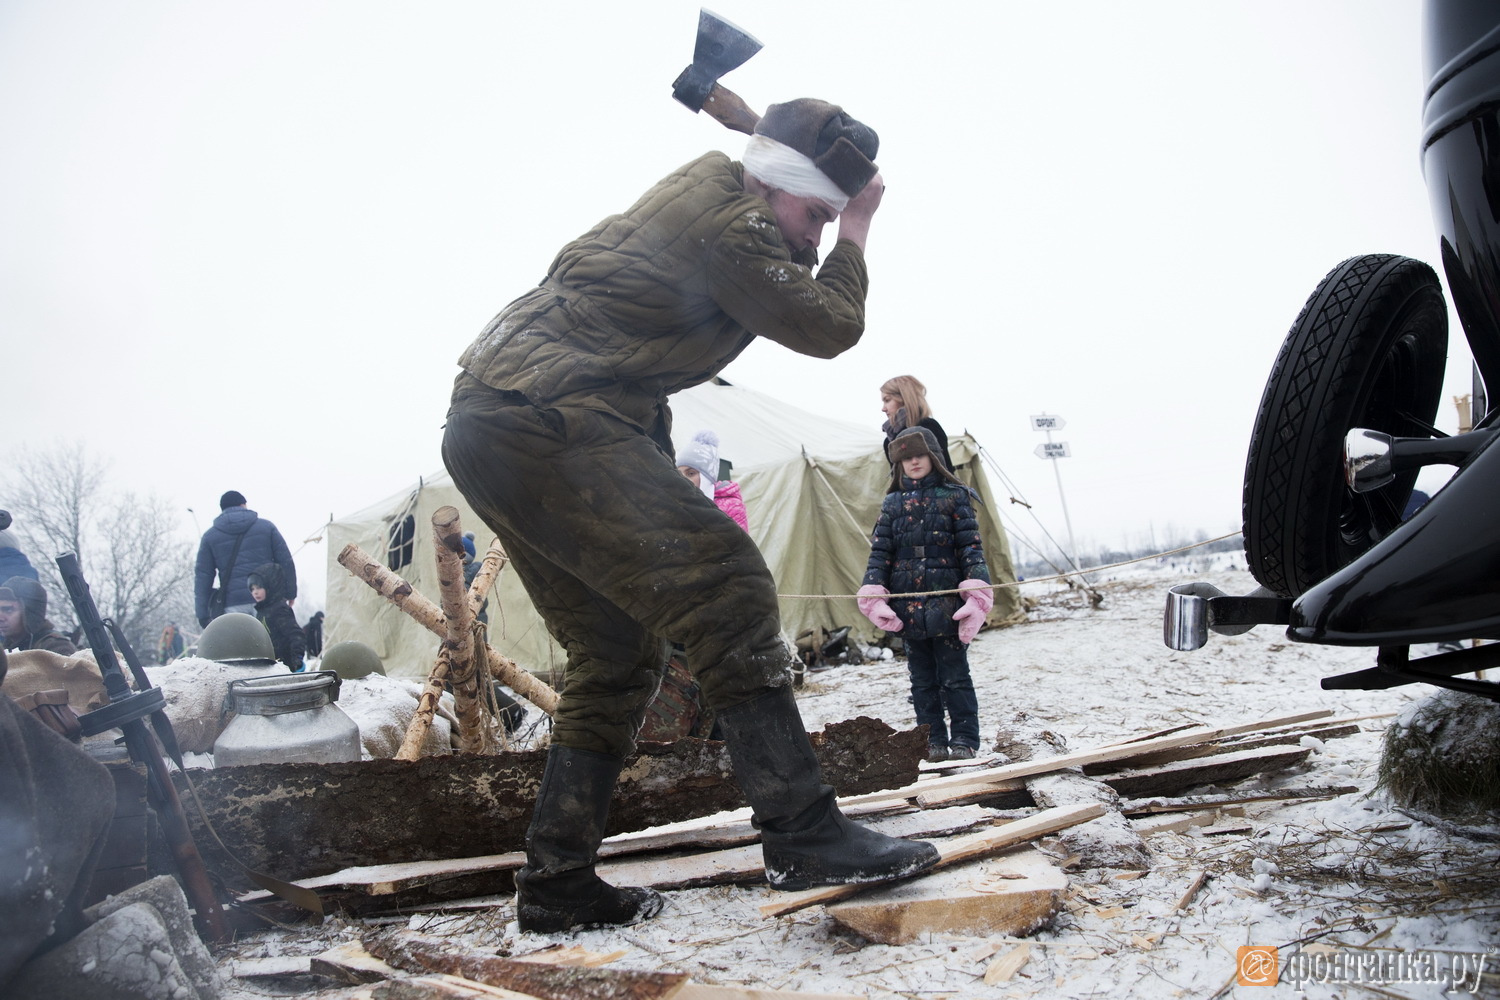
(286, 719)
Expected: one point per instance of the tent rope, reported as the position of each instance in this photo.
(1017, 583)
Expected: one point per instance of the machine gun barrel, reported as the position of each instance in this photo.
(125, 711)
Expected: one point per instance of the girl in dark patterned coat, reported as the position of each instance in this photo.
(927, 540)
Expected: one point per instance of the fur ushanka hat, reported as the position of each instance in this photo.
(842, 147)
(916, 441)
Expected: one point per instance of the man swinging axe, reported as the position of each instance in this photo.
(559, 438)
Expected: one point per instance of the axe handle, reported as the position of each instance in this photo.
(726, 106)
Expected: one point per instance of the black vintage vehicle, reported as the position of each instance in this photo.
(1346, 423)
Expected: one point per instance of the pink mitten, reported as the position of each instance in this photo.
(978, 599)
(873, 606)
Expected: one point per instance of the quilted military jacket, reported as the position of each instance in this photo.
(665, 295)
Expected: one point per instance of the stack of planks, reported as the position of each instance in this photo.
(981, 812)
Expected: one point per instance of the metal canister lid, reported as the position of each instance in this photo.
(279, 694)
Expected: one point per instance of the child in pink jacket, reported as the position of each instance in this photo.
(698, 461)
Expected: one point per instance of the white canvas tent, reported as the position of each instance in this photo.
(812, 487)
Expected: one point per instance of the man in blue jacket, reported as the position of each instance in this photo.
(239, 541)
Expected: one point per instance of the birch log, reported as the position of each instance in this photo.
(421, 722)
(430, 616)
(489, 570)
(458, 642)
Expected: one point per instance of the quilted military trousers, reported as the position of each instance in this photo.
(621, 556)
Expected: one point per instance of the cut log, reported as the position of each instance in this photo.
(415, 953)
(931, 789)
(1107, 842)
(1225, 768)
(961, 849)
(1014, 895)
(458, 647)
(430, 616)
(304, 820)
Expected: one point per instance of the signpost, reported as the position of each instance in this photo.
(1053, 450)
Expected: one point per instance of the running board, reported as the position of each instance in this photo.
(1394, 667)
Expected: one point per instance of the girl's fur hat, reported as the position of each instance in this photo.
(916, 441)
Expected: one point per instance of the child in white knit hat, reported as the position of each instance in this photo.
(698, 461)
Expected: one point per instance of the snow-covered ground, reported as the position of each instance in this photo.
(1345, 873)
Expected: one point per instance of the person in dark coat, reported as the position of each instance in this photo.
(312, 632)
(927, 539)
(903, 400)
(559, 437)
(23, 618)
(13, 561)
(260, 543)
(268, 587)
(56, 803)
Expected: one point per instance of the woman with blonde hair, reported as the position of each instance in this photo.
(903, 400)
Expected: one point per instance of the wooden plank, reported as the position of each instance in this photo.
(975, 791)
(1172, 778)
(746, 864)
(416, 953)
(443, 987)
(1249, 741)
(1174, 822)
(703, 991)
(1107, 842)
(702, 868)
(1023, 892)
(350, 963)
(1079, 758)
(974, 845)
(1188, 803)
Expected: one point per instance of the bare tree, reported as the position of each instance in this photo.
(137, 567)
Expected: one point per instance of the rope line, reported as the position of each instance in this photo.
(1017, 583)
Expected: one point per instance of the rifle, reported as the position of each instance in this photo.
(125, 711)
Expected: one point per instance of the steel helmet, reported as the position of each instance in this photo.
(352, 658)
(237, 638)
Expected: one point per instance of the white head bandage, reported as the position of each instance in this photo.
(783, 167)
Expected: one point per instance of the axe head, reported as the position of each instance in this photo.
(721, 47)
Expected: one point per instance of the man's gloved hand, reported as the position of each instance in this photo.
(978, 599)
(872, 605)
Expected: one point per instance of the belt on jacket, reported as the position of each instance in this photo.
(924, 551)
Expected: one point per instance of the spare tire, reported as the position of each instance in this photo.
(1368, 350)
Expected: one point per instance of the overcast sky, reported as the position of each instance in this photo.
(242, 245)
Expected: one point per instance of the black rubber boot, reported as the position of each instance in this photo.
(806, 841)
(557, 889)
